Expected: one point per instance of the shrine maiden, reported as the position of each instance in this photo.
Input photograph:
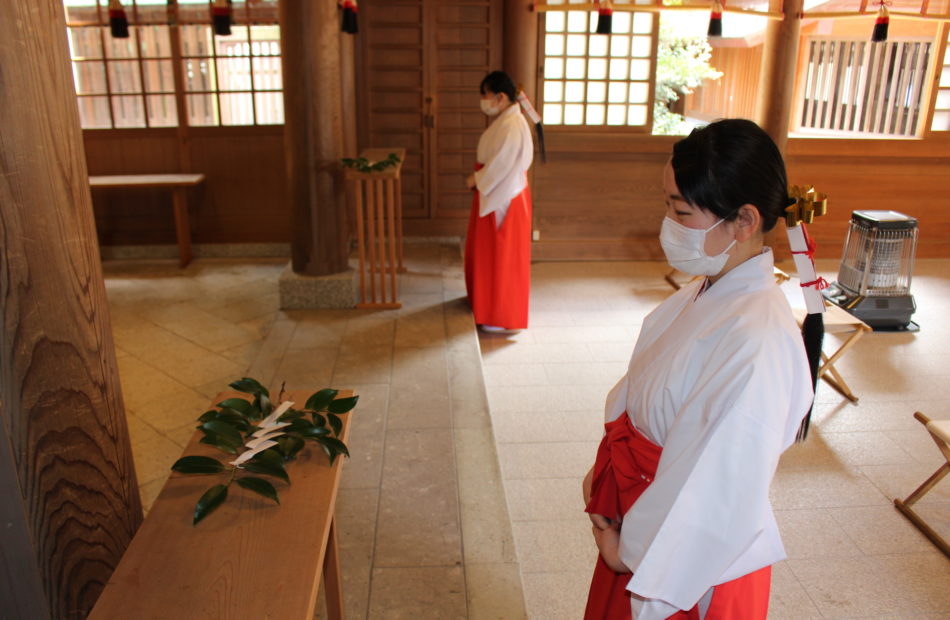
(498, 242)
(715, 391)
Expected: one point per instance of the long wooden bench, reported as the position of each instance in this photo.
(249, 559)
(178, 183)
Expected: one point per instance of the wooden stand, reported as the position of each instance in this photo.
(249, 559)
(940, 432)
(378, 202)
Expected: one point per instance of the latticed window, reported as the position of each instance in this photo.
(593, 79)
(857, 87)
(941, 119)
(173, 63)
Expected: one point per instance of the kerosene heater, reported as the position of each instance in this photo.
(876, 267)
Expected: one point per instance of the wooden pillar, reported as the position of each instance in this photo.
(776, 92)
(521, 45)
(69, 495)
(313, 135)
(348, 100)
(777, 77)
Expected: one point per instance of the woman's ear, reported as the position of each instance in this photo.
(748, 223)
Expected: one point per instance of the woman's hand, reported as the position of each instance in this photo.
(608, 543)
(470, 181)
(599, 521)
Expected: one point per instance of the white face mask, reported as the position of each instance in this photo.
(489, 107)
(685, 249)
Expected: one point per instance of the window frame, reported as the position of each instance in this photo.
(246, 16)
(647, 127)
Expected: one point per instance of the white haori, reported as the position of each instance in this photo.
(721, 382)
(506, 151)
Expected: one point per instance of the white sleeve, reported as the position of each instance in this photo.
(708, 503)
(501, 163)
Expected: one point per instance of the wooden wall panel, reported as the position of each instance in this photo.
(243, 200)
(601, 197)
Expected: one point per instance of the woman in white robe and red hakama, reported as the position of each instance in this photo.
(716, 390)
(498, 242)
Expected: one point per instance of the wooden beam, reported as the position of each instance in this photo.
(68, 482)
(313, 135)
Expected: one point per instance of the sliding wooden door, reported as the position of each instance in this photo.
(421, 62)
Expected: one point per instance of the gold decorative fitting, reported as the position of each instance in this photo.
(808, 204)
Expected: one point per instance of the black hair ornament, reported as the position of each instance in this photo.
(221, 17)
(715, 20)
(118, 21)
(605, 16)
(804, 204)
(348, 22)
(536, 119)
(879, 34)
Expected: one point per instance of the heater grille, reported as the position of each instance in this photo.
(879, 254)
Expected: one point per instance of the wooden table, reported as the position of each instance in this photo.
(250, 558)
(178, 183)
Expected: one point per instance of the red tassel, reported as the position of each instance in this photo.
(605, 17)
(715, 20)
(879, 34)
(349, 24)
(118, 22)
(221, 17)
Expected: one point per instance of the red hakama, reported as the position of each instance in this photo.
(625, 466)
(498, 264)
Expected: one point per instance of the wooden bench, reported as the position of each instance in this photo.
(178, 183)
(250, 558)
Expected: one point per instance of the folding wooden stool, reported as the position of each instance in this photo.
(940, 432)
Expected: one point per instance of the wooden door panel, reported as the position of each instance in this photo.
(421, 64)
(466, 39)
(393, 85)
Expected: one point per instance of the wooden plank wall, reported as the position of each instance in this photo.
(243, 200)
(734, 93)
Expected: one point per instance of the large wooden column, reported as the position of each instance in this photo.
(521, 45)
(70, 503)
(777, 77)
(313, 135)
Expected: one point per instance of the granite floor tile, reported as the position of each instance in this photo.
(363, 364)
(814, 533)
(800, 488)
(306, 369)
(418, 592)
(544, 499)
(419, 513)
(549, 427)
(543, 545)
(556, 595)
(486, 530)
(494, 592)
(546, 460)
(880, 530)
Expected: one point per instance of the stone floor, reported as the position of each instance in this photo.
(424, 507)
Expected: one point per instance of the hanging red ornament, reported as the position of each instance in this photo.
(605, 16)
(715, 20)
(221, 17)
(118, 22)
(349, 24)
(879, 35)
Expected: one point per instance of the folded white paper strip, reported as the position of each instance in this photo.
(805, 265)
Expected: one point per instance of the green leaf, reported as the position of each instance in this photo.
(320, 400)
(289, 445)
(212, 498)
(198, 465)
(215, 440)
(209, 415)
(259, 486)
(335, 423)
(291, 414)
(319, 420)
(238, 404)
(263, 403)
(342, 405)
(235, 419)
(299, 425)
(268, 462)
(333, 447)
(315, 431)
(226, 431)
(249, 386)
